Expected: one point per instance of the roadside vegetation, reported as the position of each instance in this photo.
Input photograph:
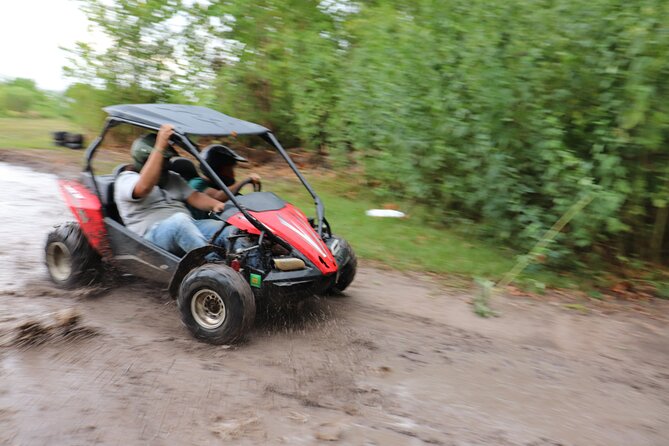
(495, 116)
(413, 243)
(21, 98)
(407, 243)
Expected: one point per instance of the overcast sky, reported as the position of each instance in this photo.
(31, 32)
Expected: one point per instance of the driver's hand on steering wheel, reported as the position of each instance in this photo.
(255, 178)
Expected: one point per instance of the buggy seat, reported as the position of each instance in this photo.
(105, 184)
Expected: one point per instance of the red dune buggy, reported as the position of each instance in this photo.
(298, 256)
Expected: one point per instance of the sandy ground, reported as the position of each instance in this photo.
(399, 360)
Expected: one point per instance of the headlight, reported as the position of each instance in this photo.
(289, 264)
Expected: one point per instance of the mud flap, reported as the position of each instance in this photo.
(87, 209)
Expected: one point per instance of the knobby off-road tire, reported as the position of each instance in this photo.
(216, 304)
(347, 273)
(70, 259)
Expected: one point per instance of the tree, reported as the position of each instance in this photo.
(142, 61)
(20, 95)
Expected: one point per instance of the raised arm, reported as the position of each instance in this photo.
(150, 173)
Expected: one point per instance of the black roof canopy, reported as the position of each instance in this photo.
(186, 119)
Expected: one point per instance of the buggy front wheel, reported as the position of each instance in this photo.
(216, 304)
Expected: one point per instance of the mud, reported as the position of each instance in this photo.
(398, 360)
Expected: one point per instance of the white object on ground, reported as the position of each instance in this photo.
(384, 213)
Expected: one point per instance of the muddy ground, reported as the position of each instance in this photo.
(399, 360)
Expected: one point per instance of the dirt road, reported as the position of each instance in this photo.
(398, 361)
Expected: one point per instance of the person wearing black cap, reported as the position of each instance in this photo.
(222, 160)
(152, 200)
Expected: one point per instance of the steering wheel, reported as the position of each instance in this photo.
(257, 187)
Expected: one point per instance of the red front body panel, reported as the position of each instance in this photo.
(292, 225)
(87, 209)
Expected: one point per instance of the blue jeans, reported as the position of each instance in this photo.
(180, 233)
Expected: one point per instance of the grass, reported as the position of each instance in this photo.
(408, 243)
(577, 307)
(28, 133)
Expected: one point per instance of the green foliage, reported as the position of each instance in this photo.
(582, 309)
(85, 105)
(144, 61)
(507, 112)
(22, 98)
(286, 73)
(502, 113)
(18, 99)
(482, 298)
(663, 290)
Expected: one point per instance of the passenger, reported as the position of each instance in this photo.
(222, 160)
(151, 200)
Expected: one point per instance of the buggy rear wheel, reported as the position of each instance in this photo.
(216, 304)
(69, 258)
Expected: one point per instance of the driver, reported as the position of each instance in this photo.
(151, 200)
(222, 160)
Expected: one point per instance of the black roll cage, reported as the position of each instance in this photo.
(185, 143)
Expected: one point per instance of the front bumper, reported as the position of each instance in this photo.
(293, 284)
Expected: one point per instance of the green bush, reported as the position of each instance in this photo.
(498, 112)
(22, 98)
(507, 112)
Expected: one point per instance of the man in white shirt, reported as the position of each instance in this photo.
(151, 200)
